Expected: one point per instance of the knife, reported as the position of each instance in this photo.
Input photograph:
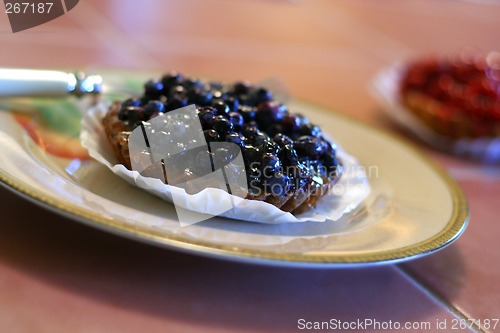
(47, 83)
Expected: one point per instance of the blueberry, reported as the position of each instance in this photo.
(259, 138)
(274, 129)
(153, 88)
(153, 107)
(242, 88)
(132, 114)
(221, 107)
(270, 146)
(123, 113)
(330, 147)
(192, 83)
(269, 113)
(144, 100)
(288, 156)
(176, 102)
(171, 79)
(206, 118)
(309, 129)
(236, 119)
(310, 146)
(278, 185)
(131, 102)
(245, 100)
(249, 129)
(284, 108)
(222, 125)
(291, 122)
(177, 90)
(236, 138)
(254, 181)
(233, 103)
(251, 156)
(303, 119)
(321, 170)
(211, 135)
(218, 95)
(261, 95)
(200, 96)
(282, 140)
(206, 108)
(301, 182)
(270, 164)
(316, 131)
(248, 112)
(299, 172)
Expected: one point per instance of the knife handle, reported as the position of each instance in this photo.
(46, 83)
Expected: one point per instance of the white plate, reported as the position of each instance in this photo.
(414, 208)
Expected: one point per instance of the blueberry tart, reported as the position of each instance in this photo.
(289, 163)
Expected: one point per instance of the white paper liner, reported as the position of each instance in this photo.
(351, 189)
(386, 86)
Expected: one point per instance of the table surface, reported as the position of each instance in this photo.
(60, 276)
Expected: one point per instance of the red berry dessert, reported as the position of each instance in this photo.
(288, 161)
(456, 97)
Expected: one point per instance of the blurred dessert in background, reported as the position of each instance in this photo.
(458, 96)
